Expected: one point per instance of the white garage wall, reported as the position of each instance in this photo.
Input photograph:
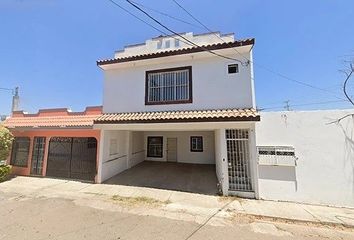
(325, 167)
(116, 163)
(183, 147)
(137, 153)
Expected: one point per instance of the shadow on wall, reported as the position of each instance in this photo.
(347, 127)
(279, 173)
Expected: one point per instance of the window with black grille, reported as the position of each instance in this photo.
(232, 68)
(20, 150)
(155, 147)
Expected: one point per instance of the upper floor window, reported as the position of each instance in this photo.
(20, 150)
(177, 43)
(167, 44)
(159, 44)
(168, 86)
(232, 68)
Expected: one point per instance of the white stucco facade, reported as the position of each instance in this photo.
(324, 173)
(211, 86)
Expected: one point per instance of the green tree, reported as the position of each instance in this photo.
(5, 142)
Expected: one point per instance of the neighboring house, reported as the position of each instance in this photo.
(166, 101)
(55, 143)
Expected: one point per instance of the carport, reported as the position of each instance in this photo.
(194, 150)
(187, 177)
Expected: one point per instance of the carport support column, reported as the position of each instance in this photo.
(100, 157)
(221, 160)
(129, 148)
(254, 160)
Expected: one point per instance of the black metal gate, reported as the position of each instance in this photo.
(72, 158)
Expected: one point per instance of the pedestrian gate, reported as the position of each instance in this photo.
(73, 158)
(37, 155)
(238, 158)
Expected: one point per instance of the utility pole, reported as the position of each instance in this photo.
(15, 100)
(287, 105)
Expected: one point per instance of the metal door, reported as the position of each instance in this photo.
(238, 158)
(72, 158)
(37, 155)
(171, 149)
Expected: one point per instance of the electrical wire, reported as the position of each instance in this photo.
(268, 69)
(167, 15)
(208, 29)
(140, 19)
(302, 105)
(175, 33)
(188, 42)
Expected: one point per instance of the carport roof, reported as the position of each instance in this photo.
(218, 115)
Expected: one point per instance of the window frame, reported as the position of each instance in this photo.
(191, 144)
(233, 64)
(13, 150)
(190, 85)
(148, 154)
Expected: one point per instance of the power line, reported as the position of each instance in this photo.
(188, 42)
(287, 106)
(167, 15)
(140, 19)
(175, 33)
(193, 44)
(207, 28)
(269, 70)
(132, 14)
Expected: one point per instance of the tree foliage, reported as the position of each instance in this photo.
(5, 142)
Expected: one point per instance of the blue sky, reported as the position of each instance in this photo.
(49, 48)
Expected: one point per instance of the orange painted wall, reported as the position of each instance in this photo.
(48, 134)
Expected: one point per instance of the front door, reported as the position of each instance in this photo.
(37, 155)
(171, 149)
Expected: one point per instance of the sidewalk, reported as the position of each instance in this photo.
(178, 205)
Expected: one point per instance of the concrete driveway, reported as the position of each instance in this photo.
(186, 177)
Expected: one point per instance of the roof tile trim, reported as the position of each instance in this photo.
(211, 47)
(180, 116)
(54, 118)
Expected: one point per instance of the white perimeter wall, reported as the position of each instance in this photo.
(184, 154)
(325, 168)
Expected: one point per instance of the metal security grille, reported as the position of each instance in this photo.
(276, 155)
(72, 158)
(168, 86)
(38, 155)
(20, 151)
(238, 157)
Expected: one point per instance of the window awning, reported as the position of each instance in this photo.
(220, 115)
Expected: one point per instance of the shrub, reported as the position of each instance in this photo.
(5, 142)
(4, 171)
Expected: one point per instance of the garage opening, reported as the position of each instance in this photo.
(72, 157)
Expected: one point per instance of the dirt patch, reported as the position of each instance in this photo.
(241, 218)
(138, 201)
(230, 199)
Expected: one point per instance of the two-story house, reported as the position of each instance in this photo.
(167, 101)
